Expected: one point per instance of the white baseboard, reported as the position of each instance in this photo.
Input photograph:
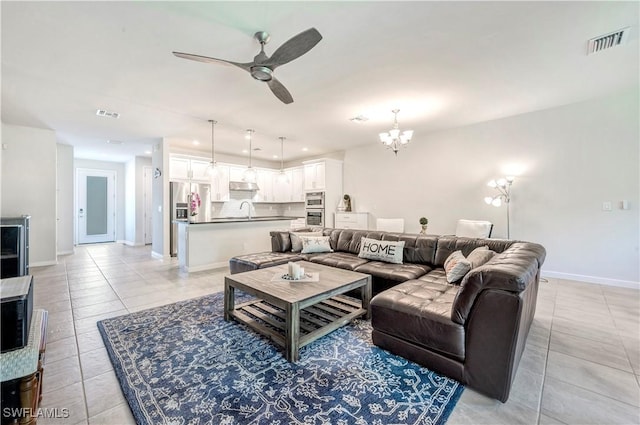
(59, 253)
(592, 279)
(43, 263)
(159, 256)
(129, 243)
(209, 266)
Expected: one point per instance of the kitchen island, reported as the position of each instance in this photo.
(209, 245)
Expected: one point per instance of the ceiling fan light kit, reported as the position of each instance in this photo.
(263, 66)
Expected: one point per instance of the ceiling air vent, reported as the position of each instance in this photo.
(104, 113)
(608, 40)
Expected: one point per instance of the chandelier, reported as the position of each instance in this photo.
(394, 139)
(211, 168)
(249, 174)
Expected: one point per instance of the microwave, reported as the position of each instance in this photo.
(314, 200)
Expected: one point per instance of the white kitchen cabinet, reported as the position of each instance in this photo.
(236, 172)
(179, 168)
(220, 184)
(314, 176)
(199, 171)
(352, 220)
(325, 175)
(297, 184)
(282, 189)
(183, 168)
(264, 179)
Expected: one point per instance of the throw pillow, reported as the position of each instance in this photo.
(456, 266)
(479, 256)
(296, 242)
(387, 251)
(314, 244)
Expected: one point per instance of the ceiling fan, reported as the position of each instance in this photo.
(263, 66)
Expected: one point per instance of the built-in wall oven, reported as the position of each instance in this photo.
(314, 209)
(315, 217)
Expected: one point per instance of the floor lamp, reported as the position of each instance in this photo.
(502, 185)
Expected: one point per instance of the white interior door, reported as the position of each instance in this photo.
(95, 205)
(147, 205)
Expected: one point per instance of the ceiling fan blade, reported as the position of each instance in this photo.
(280, 91)
(294, 48)
(206, 59)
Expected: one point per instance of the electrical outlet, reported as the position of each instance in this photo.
(606, 206)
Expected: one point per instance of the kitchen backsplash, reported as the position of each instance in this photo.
(231, 208)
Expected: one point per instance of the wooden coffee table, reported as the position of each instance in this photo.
(293, 314)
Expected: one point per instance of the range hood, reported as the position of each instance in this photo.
(243, 186)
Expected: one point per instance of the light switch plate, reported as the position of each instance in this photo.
(606, 206)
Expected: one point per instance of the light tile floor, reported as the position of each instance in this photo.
(581, 364)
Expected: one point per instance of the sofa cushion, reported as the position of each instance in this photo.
(261, 260)
(511, 270)
(394, 272)
(387, 251)
(343, 260)
(449, 244)
(456, 267)
(347, 240)
(420, 312)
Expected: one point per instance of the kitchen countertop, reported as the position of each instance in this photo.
(241, 219)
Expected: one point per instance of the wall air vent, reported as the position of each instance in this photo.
(608, 41)
(104, 113)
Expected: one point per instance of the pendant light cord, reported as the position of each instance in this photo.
(213, 123)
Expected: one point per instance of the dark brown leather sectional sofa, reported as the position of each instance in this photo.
(473, 331)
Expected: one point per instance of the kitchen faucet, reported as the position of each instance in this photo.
(249, 207)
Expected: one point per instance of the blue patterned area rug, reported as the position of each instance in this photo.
(183, 364)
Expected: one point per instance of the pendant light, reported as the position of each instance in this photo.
(282, 176)
(212, 168)
(249, 174)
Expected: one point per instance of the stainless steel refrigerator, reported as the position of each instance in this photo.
(180, 198)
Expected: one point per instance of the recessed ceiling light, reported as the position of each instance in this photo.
(147, 152)
(359, 119)
(115, 142)
(275, 156)
(244, 151)
(105, 113)
(305, 149)
(195, 142)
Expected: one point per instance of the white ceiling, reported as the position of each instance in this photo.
(443, 64)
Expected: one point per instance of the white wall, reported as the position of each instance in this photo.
(134, 200)
(29, 186)
(65, 197)
(567, 160)
(119, 168)
(160, 199)
(130, 202)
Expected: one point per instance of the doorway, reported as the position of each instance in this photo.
(95, 201)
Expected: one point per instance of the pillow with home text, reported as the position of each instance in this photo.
(387, 251)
